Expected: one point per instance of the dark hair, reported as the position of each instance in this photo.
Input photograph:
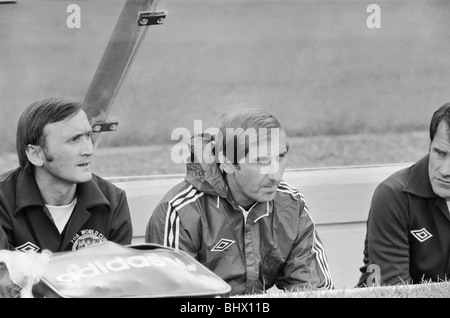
(30, 128)
(242, 120)
(443, 113)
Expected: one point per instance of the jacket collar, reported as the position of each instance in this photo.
(260, 210)
(28, 194)
(419, 183)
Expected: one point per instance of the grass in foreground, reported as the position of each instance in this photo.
(424, 290)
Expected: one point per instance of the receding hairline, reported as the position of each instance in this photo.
(249, 117)
(244, 119)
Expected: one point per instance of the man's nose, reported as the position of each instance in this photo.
(276, 176)
(276, 172)
(87, 148)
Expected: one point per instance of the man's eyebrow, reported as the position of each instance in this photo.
(442, 150)
(265, 156)
(73, 136)
(80, 134)
(438, 149)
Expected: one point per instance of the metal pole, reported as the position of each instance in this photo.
(116, 60)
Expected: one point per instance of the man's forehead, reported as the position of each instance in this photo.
(272, 142)
(442, 136)
(71, 125)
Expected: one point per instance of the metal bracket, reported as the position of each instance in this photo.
(151, 18)
(103, 126)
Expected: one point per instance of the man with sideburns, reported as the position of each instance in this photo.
(53, 201)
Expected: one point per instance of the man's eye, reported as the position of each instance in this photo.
(441, 153)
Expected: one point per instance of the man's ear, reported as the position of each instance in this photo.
(34, 154)
(228, 167)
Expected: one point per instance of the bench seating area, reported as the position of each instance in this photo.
(338, 199)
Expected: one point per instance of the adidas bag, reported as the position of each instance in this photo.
(109, 270)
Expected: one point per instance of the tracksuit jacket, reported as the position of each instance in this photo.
(277, 245)
(408, 230)
(101, 214)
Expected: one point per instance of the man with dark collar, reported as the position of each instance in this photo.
(3, 239)
(53, 201)
(408, 226)
(236, 215)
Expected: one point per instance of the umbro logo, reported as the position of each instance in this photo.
(222, 245)
(28, 246)
(422, 235)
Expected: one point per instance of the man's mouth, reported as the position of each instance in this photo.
(84, 164)
(271, 187)
(444, 182)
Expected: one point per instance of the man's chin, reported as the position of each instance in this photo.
(85, 178)
(267, 197)
(440, 191)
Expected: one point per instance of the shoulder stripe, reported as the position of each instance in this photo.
(294, 194)
(319, 250)
(181, 194)
(168, 225)
(171, 228)
(172, 223)
(322, 261)
(284, 187)
(185, 202)
(185, 197)
(288, 186)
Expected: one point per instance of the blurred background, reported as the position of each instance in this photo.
(346, 94)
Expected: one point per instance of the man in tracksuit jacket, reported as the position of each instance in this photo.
(53, 201)
(408, 226)
(252, 229)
